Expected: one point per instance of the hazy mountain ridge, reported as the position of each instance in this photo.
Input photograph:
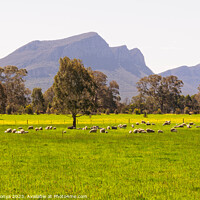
(189, 75)
(41, 59)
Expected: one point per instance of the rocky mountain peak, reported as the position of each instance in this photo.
(41, 59)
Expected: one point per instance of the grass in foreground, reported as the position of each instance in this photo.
(117, 165)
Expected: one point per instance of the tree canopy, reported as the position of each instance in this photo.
(160, 92)
(74, 88)
(12, 80)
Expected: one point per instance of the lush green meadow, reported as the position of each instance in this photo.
(116, 165)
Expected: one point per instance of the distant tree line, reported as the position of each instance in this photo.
(78, 90)
(157, 94)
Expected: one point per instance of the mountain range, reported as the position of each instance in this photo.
(41, 59)
(189, 75)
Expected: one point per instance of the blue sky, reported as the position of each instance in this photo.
(166, 31)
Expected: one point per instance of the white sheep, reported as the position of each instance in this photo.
(93, 130)
(9, 130)
(173, 130)
(102, 130)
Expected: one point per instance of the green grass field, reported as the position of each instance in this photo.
(117, 165)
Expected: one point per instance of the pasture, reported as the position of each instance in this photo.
(116, 165)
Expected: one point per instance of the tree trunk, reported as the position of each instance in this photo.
(74, 120)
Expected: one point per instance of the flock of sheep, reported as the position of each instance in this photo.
(105, 130)
(21, 130)
(138, 130)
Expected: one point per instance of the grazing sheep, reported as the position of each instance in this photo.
(93, 130)
(130, 131)
(25, 131)
(160, 131)
(9, 130)
(30, 127)
(153, 124)
(139, 131)
(85, 128)
(103, 130)
(95, 127)
(64, 131)
(37, 129)
(108, 127)
(14, 131)
(179, 126)
(69, 127)
(150, 130)
(54, 128)
(41, 128)
(20, 128)
(122, 125)
(47, 128)
(135, 131)
(132, 126)
(143, 122)
(106, 132)
(22, 131)
(188, 126)
(114, 127)
(167, 123)
(191, 123)
(197, 126)
(148, 123)
(173, 130)
(50, 127)
(137, 123)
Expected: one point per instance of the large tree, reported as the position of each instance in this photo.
(163, 91)
(74, 88)
(106, 96)
(172, 91)
(13, 80)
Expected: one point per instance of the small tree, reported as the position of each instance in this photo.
(107, 111)
(178, 111)
(159, 111)
(37, 99)
(137, 111)
(3, 99)
(74, 88)
(29, 109)
(186, 110)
